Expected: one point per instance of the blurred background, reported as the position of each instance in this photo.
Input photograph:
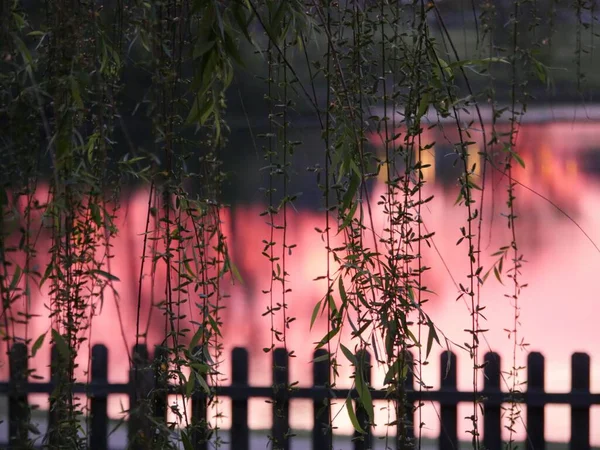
(558, 203)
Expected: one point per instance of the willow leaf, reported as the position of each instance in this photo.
(61, 344)
(352, 415)
(364, 393)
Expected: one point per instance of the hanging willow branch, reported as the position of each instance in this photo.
(94, 98)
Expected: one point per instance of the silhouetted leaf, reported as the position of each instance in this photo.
(37, 344)
(352, 416)
(102, 273)
(61, 344)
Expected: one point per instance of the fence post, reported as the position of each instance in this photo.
(98, 439)
(140, 379)
(409, 385)
(321, 433)
(56, 413)
(161, 371)
(580, 415)
(363, 441)
(239, 406)
(281, 419)
(18, 409)
(200, 431)
(492, 430)
(535, 410)
(448, 410)
(405, 429)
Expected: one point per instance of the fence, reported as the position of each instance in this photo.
(145, 383)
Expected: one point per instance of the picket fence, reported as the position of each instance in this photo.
(145, 383)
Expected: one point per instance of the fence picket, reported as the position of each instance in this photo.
(405, 430)
(448, 410)
(363, 441)
(18, 409)
(200, 435)
(54, 412)
(141, 384)
(98, 439)
(409, 385)
(321, 434)
(492, 431)
(580, 414)
(535, 410)
(145, 379)
(161, 382)
(159, 395)
(240, 433)
(281, 419)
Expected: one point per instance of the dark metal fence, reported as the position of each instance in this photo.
(145, 383)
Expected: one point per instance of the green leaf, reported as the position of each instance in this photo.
(497, 274)
(273, 26)
(351, 191)
(315, 314)
(33, 429)
(540, 70)
(202, 47)
(364, 392)
(446, 68)
(214, 325)
(352, 415)
(217, 14)
(235, 271)
(348, 217)
(201, 109)
(459, 197)
(478, 62)
(321, 358)
(76, 93)
(390, 336)
(398, 369)
(102, 273)
(96, 216)
(328, 337)
(15, 279)
(91, 145)
(196, 339)
(200, 368)
(242, 22)
(332, 305)
(19, 20)
(188, 268)
(348, 354)
(423, 105)
(38, 344)
(232, 49)
(187, 442)
(518, 159)
(61, 344)
(431, 337)
(189, 385)
(202, 382)
(412, 336)
(23, 50)
(342, 290)
(47, 273)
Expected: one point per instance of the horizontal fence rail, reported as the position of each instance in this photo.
(146, 383)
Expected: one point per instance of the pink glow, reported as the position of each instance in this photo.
(559, 312)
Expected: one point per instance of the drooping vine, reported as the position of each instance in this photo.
(97, 101)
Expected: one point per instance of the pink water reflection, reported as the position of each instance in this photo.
(559, 313)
